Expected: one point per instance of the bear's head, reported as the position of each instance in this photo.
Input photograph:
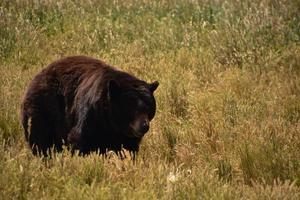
(132, 107)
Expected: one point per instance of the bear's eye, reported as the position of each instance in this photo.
(132, 103)
(141, 106)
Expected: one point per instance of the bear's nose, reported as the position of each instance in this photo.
(144, 127)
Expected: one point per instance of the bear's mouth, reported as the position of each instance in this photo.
(135, 134)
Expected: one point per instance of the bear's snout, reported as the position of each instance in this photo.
(144, 127)
(140, 125)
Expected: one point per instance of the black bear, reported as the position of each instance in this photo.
(87, 105)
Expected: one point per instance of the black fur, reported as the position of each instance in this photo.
(88, 105)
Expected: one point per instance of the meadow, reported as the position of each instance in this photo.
(228, 118)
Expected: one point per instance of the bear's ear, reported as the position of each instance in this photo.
(153, 86)
(113, 89)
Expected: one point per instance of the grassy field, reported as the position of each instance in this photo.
(228, 119)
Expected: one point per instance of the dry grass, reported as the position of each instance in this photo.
(227, 125)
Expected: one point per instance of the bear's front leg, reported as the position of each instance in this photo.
(78, 137)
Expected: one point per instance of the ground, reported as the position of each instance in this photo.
(228, 104)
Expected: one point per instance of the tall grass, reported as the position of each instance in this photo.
(228, 119)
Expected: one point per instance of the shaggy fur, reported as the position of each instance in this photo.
(86, 104)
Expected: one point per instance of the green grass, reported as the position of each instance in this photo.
(228, 119)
